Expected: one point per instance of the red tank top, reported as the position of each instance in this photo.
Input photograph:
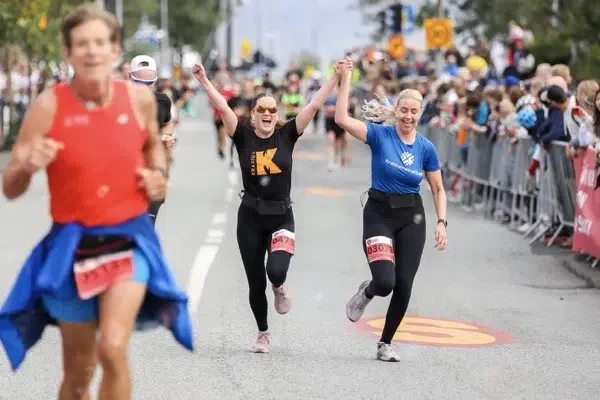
(93, 180)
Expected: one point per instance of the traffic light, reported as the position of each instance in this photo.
(396, 18)
(382, 21)
(257, 58)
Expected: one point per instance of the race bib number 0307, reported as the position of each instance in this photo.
(94, 275)
(380, 248)
(283, 240)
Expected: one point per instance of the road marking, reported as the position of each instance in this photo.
(232, 176)
(329, 192)
(215, 233)
(229, 195)
(438, 332)
(302, 155)
(219, 218)
(204, 259)
(208, 251)
(213, 240)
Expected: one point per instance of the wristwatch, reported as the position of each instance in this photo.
(443, 221)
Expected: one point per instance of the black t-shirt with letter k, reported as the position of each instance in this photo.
(266, 163)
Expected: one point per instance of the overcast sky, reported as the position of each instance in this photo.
(283, 27)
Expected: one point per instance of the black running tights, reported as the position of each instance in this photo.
(254, 233)
(405, 229)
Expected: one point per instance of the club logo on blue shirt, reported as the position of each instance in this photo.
(407, 158)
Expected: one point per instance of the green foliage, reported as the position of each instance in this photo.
(191, 24)
(306, 59)
(557, 34)
(427, 10)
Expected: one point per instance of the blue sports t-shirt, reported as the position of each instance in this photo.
(397, 167)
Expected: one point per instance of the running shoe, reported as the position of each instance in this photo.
(385, 352)
(263, 340)
(283, 300)
(357, 304)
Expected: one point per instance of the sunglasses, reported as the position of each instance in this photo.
(262, 110)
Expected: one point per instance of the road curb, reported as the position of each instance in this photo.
(582, 269)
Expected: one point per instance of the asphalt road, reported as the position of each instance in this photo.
(488, 319)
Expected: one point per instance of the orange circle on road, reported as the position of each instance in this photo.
(325, 192)
(438, 332)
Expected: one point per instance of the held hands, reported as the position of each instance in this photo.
(344, 67)
(441, 238)
(43, 152)
(199, 72)
(154, 182)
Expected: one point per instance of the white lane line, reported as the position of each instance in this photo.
(233, 177)
(204, 259)
(219, 218)
(215, 233)
(229, 195)
(213, 240)
(208, 251)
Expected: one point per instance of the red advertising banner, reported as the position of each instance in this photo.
(587, 216)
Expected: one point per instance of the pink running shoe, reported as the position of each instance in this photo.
(262, 343)
(283, 300)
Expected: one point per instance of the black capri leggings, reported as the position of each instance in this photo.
(254, 235)
(393, 241)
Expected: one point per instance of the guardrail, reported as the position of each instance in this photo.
(491, 174)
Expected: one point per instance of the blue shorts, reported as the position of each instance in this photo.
(79, 311)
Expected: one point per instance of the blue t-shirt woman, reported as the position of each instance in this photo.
(394, 226)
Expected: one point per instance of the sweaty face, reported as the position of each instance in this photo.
(408, 113)
(92, 54)
(265, 114)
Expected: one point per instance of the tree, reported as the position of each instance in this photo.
(133, 10)
(306, 60)
(191, 24)
(559, 32)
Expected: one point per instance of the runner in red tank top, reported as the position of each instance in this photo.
(97, 138)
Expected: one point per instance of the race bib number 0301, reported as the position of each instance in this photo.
(283, 240)
(94, 275)
(380, 248)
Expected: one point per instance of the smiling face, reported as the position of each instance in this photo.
(265, 115)
(408, 110)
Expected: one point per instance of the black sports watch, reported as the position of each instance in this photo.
(443, 221)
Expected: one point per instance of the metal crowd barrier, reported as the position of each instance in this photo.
(495, 179)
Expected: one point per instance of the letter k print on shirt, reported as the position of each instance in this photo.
(265, 164)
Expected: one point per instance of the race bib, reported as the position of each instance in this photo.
(380, 248)
(283, 240)
(94, 275)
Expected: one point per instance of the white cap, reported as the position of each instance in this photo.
(143, 63)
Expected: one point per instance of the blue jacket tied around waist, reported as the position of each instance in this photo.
(49, 271)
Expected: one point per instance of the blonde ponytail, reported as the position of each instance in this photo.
(381, 111)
